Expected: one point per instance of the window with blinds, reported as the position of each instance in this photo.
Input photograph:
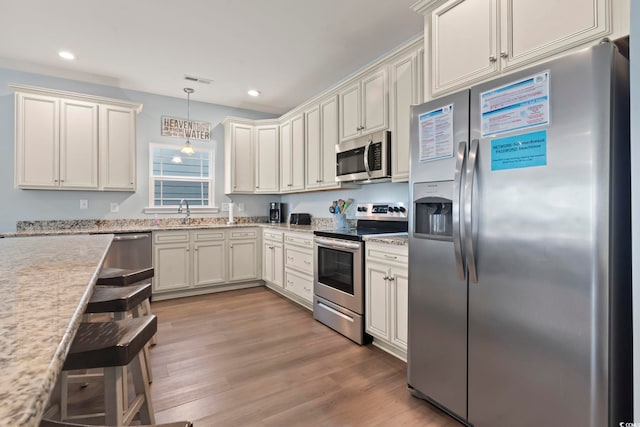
(176, 176)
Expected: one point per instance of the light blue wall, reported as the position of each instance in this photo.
(317, 203)
(48, 204)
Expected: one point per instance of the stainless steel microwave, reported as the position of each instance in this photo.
(365, 158)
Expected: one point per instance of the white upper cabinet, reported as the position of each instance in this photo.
(406, 89)
(117, 148)
(322, 137)
(364, 105)
(70, 141)
(292, 141)
(267, 159)
(471, 41)
(239, 158)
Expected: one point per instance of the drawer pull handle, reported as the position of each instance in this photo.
(307, 262)
(390, 256)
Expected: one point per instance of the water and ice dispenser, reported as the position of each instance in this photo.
(433, 208)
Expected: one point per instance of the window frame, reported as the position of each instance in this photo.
(210, 208)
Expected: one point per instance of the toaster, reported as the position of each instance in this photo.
(300, 219)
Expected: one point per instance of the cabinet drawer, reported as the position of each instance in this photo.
(178, 236)
(299, 240)
(299, 284)
(207, 235)
(387, 254)
(275, 236)
(299, 259)
(243, 234)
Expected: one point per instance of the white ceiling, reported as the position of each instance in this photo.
(291, 50)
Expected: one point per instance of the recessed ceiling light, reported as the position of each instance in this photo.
(66, 55)
(254, 92)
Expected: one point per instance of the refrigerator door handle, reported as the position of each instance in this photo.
(461, 160)
(468, 211)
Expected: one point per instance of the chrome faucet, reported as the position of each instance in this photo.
(185, 221)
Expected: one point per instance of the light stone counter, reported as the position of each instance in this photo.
(45, 284)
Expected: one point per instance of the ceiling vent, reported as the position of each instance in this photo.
(201, 80)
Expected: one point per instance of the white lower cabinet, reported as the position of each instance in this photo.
(191, 262)
(386, 296)
(295, 263)
(273, 258)
(243, 255)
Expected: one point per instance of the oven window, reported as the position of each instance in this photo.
(335, 269)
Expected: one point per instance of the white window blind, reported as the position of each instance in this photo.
(176, 176)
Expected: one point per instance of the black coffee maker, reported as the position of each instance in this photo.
(277, 212)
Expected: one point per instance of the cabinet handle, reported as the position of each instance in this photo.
(257, 186)
(290, 258)
(307, 262)
(188, 249)
(289, 185)
(492, 58)
(391, 279)
(390, 256)
(385, 278)
(196, 249)
(504, 55)
(290, 282)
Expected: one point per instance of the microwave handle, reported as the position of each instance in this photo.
(366, 156)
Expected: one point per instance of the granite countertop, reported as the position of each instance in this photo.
(400, 239)
(75, 227)
(45, 284)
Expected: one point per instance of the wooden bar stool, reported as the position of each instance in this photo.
(110, 276)
(112, 346)
(51, 423)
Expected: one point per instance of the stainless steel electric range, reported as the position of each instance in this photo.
(338, 299)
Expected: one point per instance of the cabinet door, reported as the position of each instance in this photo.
(313, 152)
(297, 153)
(404, 92)
(209, 263)
(267, 262)
(285, 157)
(171, 263)
(377, 301)
(78, 144)
(242, 166)
(37, 141)
(463, 43)
(117, 148)
(400, 306)
(375, 102)
(350, 112)
(267, 159)
(329, 140)
(243, 256)
(278, 264)
(566, 24)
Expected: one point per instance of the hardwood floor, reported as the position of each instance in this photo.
(253, 358)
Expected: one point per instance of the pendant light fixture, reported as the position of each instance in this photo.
(187, 148)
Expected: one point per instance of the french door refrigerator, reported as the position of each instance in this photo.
(519, 247)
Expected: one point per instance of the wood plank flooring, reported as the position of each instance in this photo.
(253, 358)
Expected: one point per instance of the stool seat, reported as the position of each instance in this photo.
(117, 299)
(122, 277)
(109, 344)
(49, 423)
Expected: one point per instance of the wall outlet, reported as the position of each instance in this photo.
(84, 204)
(115, 207)
(240, 207)
(225, 207)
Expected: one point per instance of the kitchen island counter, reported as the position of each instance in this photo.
(45, 284)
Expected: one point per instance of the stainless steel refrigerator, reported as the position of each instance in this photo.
(519, 247)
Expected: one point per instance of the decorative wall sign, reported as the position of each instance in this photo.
(181, 128)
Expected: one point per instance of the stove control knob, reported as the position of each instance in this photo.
(402, 209)
(395, 209)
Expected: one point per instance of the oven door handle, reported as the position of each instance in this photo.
(337, 245)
